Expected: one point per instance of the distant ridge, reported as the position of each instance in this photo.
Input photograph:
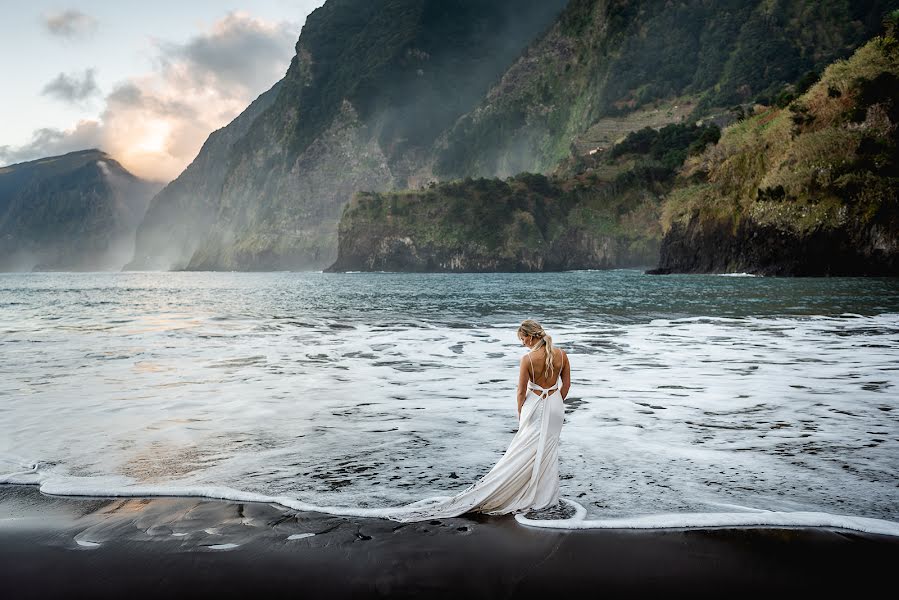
(76, 211)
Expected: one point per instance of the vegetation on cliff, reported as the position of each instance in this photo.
(523, 223)
(820, 173)
(412, 65)
(610, 57)
(528, 222)
(392, 94)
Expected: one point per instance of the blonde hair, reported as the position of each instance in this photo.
(532, 328)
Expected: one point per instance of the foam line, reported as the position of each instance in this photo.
(722, 519)
(114, 486)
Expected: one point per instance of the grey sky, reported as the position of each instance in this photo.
(73, 66)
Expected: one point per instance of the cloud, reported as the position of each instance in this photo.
(156, 123)
(72, 88)
(239, 52)
(52, 142)
(69, 24)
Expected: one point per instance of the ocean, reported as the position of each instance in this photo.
(692, 395)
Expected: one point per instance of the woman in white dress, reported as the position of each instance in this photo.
(527, 475)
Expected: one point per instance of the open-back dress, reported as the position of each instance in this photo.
(525, 478)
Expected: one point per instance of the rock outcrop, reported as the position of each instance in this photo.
(525, 223)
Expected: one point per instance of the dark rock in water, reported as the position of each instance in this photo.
(768, 251)
(77, 211)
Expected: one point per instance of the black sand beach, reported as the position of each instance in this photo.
(54, 547)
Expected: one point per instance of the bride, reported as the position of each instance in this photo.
(527, 475)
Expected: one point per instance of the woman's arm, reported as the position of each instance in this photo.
(566, 375)
(523, 379)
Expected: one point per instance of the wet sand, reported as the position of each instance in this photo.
(54, 547)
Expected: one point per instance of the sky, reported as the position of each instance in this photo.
(146, 82)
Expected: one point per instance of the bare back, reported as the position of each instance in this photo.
(538, 365)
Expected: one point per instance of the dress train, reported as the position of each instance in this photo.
(525, 478)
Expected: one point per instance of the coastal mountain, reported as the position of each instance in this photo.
(811, 188)
(621, 186)
(372, 84)
(78, 211)
(392, 95)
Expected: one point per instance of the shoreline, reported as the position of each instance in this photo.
(575, 519)
(105, 546)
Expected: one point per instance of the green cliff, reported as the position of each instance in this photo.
(572, 220)
(605, 60)
(808, 189)
(523, 223)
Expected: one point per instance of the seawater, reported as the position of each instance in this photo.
(693, 398)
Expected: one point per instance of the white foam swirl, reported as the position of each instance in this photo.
(765, 518)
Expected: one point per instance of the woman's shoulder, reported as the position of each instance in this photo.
(562, 354)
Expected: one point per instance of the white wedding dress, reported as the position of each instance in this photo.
(525, 478)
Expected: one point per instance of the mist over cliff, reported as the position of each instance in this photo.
(371, 87)
(181, 213)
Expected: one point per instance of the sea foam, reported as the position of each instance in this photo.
(120, 487)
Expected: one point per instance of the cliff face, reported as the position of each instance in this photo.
(371, 86)
(252, 232)
(180, 216)
(77, 211)
(525, 223)
(371, 249)
(810, 189)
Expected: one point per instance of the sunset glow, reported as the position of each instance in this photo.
(154, 138)
(186, 79)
